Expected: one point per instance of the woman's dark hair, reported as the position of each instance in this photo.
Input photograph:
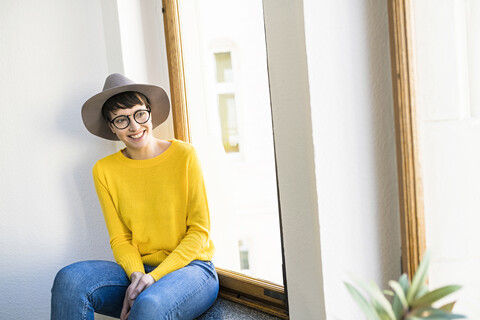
(123, 100)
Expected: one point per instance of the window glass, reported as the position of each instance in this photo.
(224, 54)
(224, 67)
(228, 122)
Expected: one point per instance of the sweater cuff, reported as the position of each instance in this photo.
(172, 263)
(131, 264)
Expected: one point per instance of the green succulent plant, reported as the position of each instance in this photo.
(405, 300)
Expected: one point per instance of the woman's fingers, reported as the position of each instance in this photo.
(128, 301)
(139, 283)
(125, 309)
(143, 283)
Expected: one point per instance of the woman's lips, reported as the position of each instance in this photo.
(137, 136)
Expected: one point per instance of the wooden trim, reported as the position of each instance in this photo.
(176, 73)
(409, 171)
(255, 293)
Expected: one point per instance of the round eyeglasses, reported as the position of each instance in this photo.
(140, 116)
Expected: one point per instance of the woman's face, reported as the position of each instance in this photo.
(135, 135)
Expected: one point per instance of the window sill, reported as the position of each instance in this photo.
(254, 293)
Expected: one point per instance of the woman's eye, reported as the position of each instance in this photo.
(120, 121)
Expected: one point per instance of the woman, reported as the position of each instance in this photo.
(153, 199)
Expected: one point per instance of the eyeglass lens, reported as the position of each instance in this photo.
(140, 116)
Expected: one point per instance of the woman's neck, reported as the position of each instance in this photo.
(155, 148)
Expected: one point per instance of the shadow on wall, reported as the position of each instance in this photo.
(389, 242)
(87, 236)
(53, 211)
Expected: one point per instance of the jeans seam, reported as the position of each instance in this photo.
(94, 288)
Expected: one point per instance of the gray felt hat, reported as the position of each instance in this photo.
(118, 83)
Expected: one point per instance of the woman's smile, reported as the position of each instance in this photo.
(137, 136)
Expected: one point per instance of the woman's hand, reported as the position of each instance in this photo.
(139, 283)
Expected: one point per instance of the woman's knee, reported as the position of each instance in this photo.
(175, 303)
(87, 286)
(148, 306)
(69, 278)
(79, 277)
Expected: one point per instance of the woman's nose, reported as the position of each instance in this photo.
(133, 125)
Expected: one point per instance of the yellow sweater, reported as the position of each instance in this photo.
(156, 210)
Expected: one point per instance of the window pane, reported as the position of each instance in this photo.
(231, 128)
(224, 67)
(228, 121)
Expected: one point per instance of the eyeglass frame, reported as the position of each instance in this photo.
(133, 116)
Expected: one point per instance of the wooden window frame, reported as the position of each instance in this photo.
(254, 293)
(412, 219)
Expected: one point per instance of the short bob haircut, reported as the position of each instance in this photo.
(123, 100)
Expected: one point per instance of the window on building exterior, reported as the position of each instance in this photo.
(227, 110)
(223, 61)
(243, 250)
(228, 122)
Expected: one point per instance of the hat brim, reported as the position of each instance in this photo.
(92, 109)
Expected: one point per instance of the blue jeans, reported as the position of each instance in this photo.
(83, 288)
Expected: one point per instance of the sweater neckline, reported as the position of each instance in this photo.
(147, 162)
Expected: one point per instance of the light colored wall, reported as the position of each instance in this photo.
(54, 55)
(335, 90)
(354, 138)
(446, 45)
(292, 126)
(329, 63)
(52, 59)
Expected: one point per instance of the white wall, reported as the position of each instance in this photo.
(447, 46)
(354, 138)
(291, 113)
(346, 105)
(52, 59)
(54, 55)
(337, 170)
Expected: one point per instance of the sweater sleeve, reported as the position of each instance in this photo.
(197, 235)
(124, 252)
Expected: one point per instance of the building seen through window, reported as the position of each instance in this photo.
(224, 54)
(226, 102)
(223, 62)
(228, 122)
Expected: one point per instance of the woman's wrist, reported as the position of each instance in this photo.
(136, 275)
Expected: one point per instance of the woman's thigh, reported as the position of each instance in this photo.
(86, 287)
(183, 294)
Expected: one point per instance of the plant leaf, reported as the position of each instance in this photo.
(378, 300)
(419, 278)
(388, 293)
(448, 307)
(435, 314)
(397, 308)
(400, 305)
(377, 295)
(435, 295)
(404, 283)
(366, 307)
(381, 312)
(421, 292)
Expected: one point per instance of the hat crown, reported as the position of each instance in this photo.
(116, 80)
